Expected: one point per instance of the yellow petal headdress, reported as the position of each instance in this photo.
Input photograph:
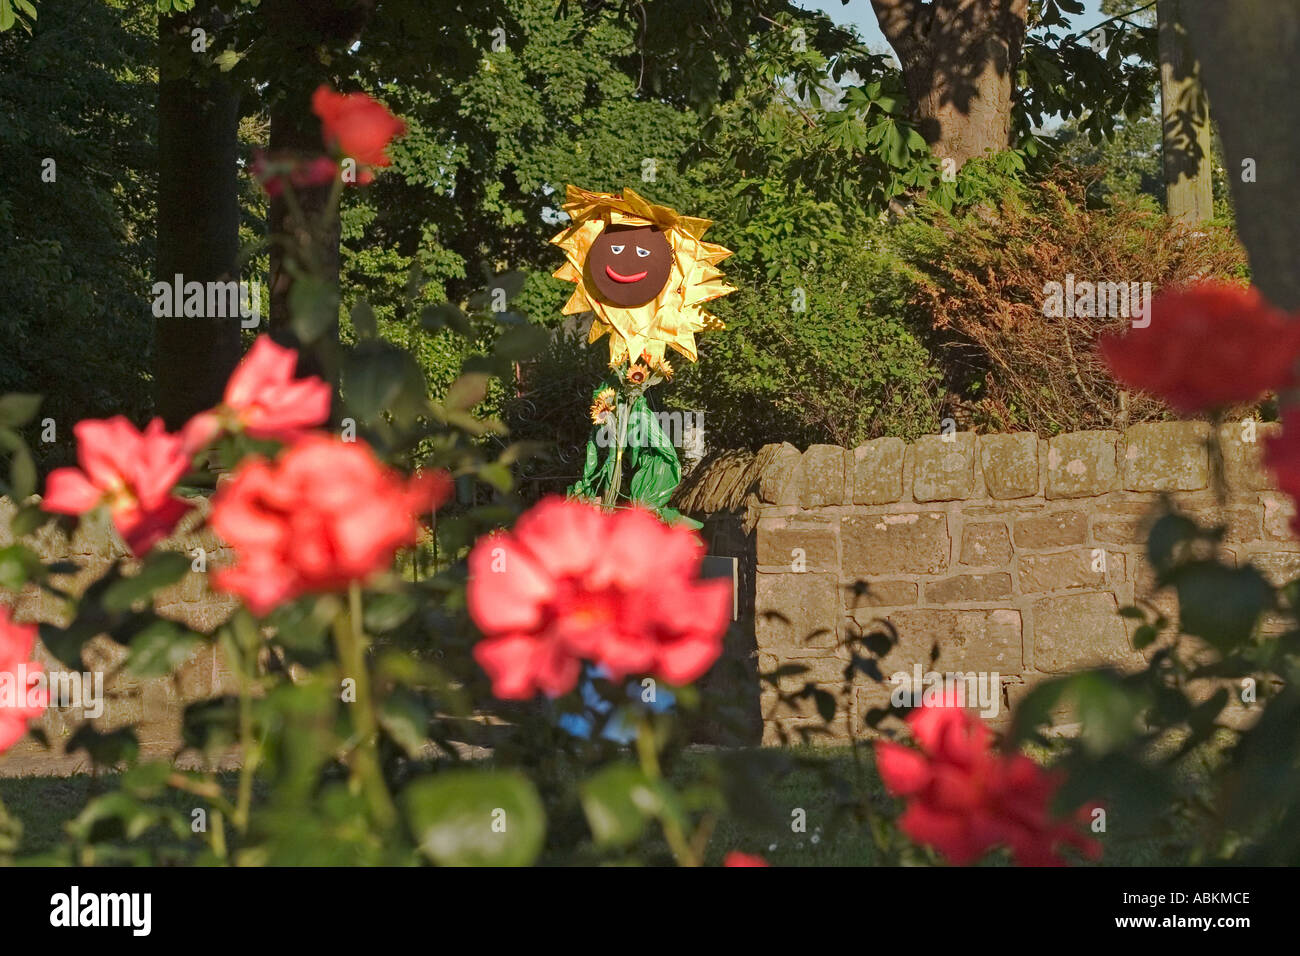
(677, 313)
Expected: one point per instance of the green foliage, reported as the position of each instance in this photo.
(831, 353)
(19, 12)
(1128, 166)
(78, 250)
(981, 277)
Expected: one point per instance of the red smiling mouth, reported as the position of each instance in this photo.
(619, 277)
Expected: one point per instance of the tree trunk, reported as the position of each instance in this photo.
(299, 27)
(1245, 49)
(958, 59)
(294, 130)
(1185, 115)
(198, 221)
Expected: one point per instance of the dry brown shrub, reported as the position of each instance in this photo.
(983, 277)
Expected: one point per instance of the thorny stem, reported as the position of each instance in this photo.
(367, 773)
(682, 850)
(250, 751)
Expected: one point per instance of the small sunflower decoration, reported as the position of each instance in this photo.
(642, 270)
(603, 406)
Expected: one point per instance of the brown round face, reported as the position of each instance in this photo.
(629, 267)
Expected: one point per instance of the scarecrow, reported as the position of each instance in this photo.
(645, 274)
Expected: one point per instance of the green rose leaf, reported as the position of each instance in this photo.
(160, 648)
(476, 818)
(160, 570)
(617, 802)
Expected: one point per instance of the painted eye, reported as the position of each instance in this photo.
(617, 250)
(642, 252)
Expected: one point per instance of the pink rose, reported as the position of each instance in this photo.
(132, 472)
(325, 513)
(573, 583)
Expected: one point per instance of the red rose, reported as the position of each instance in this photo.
(356, 125)
(736, 858)
(263, 399)
(1206, 347)
(272, 171)
(964, 798)
(322, 515)
(573, 583)
(132, 472)
(20, 701)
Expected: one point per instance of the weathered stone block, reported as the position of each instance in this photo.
(796, 613)
(1081, 464)
(943, 467)
(1010, 464)
(1077, 631)
(1242, 524)
(1166, 456)
(193, 586)
(825, 475)
(1280, 567)
(1064, 569)
(776, 485)
(794, 731)
(985, 543)
(967, 640)
(868, 697)
(1057, 529)
(120, 711)
(878, 471)
(878, 593)
(969, 587)
(887, 544)
(798, 544)
(204, 617)
(1242, 445)
(1279, 512)
(1125, 522)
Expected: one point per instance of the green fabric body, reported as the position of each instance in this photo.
(648, 458)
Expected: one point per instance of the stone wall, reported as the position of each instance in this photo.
(1012, 553)
(1009, 552)
(154, 706)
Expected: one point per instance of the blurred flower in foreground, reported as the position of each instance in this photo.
(358, 126)
(20, 701)
(132, 472)
(273, 170)
(964, 798)
(325, 513)
(736, 858)
(573, 583)
(263, 399)
(1207, 347)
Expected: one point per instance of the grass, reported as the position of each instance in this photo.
(800, 778)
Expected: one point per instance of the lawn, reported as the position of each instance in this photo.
(832, 836)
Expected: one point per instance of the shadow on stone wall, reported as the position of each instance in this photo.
(1011, 553)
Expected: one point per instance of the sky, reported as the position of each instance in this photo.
(860, 14)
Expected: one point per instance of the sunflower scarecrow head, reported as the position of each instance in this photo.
(642, 270)
(645, 274)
